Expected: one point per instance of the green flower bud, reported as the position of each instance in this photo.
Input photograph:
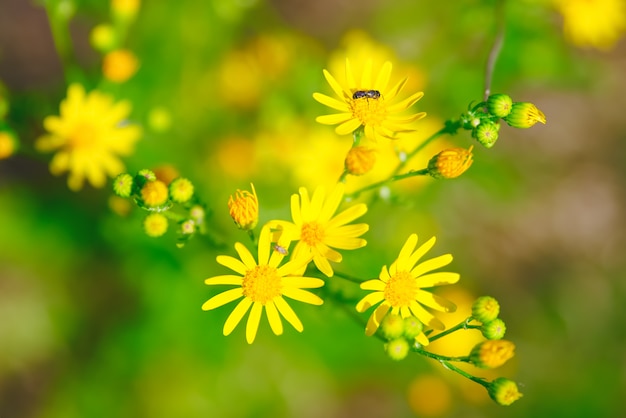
(412, 327)
(499, 105)
(504, 391)
(486, 133)
(123, 185)
(181, 190)
(392, 326)
(485, 309)
(493, 330)
(524, 115)
(397, 349)
(103, 38)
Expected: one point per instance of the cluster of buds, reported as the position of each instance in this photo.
(484, 118)
(118, 63)
(165, 201)
(400, 334)
(495, 351)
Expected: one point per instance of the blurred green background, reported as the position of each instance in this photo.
(99, 320)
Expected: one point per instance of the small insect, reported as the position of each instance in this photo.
(366, 94)
(280, 249)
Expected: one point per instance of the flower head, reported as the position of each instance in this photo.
(123, 185)
(263, 285)
(119, 65)
(401, 288)
(244, 208)
(88, 136)
(492, 353)
(368, 103)
(8, 144)
(593, 23)
(450, 163)
(154, 193)
(504, 391)
(524, 115)
(181, 190)
(360, 160)
(155, 224)
(318, 231)
(485, 309)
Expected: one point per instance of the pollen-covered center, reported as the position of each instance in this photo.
(82, 137)
(401, 289)
(312, 233)
(262, 284)
(368, 110)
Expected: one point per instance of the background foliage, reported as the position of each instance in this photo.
(97, 319)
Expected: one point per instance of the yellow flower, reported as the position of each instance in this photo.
(318, 231)
(244, 208)
(594, 23)
(88, 135)
(450, 163)
(120, 65)
(154, 193)
(263, 284)
(400, 289)
(368, 103)
(360, 160)
(155, 225)
(492, 353)
(8, 144)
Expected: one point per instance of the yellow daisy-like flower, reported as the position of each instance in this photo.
(318, 231)
(401, 288)
(368, 103)
(88, 135)
(263, 284)
(595, 23)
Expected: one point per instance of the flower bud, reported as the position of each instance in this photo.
(119, 65)
(493, 330)
(155, 225)
(197, 213)
(154, 193)
(125, 9)
(397, 349)
(147, 174)
(159, 119)
(503, 391)
(486, 133)
(360, 160)
(412, 327)
(485, 309)
(188, 227)
(123, 185)
(492, 353)
(181, 190)
(244, 208)
(499, 105)
(392, 326)
(8, 144)
(450, 163)
(524, 115)
(103, 37)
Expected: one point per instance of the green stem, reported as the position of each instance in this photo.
(422, 172)
(59, 16)
(465, 374)
(496, 47)
(349, 278)
(440, 357)
(252, 237)
(462, 325)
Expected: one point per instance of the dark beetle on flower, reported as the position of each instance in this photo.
(367, 94)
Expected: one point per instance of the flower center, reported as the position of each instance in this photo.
(368, 110)
(83, 136)
(262, 284)
(401, 289)
(312, 233)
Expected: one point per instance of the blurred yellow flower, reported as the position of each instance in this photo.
(318, 231)
(368, 103)
(119, 65)
(88, 135)
(400, 289)
(593, 23)
(8, 144)
(263, 284)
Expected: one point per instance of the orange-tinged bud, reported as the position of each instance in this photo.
(244, 208)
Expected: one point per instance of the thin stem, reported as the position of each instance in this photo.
(252, 236)
(349, 278)
(391, 179)
(495, 48)
(59, 16)
(462, 325)
(463, 373)
(440, 357)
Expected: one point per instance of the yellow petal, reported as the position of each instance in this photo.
(406, 103)
(225, 279)
(375, 319)
(435, 302)
(288, 313)
(274, 318)
(235, 316)
(369, 301)
(232, 263)
(245, 256)
(302, 296)
(334, 84)
(334, 119)
(330, 102)
(438, 279)
(253, 322)
(383, 77)
(432, 264)
(423, 249)
(222, 299)
(348, 127)
(347, 215)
